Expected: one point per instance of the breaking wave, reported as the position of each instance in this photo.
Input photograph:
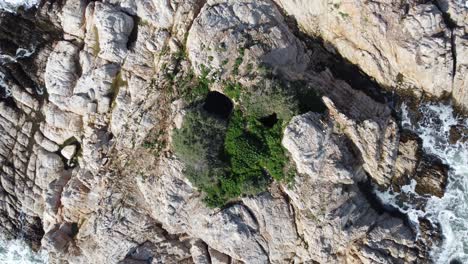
(13, 5)
(436, 128)
(450, 211)
(18, 252)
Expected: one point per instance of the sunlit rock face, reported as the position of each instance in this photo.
(91, 94)
(412, 47)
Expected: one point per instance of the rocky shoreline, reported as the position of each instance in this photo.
(88, 170)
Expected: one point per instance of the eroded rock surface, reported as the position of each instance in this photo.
(411, 46)
(74, 115)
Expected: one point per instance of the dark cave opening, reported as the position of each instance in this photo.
(132, 38)
(74, 229)
(218, 104)
(270, 120)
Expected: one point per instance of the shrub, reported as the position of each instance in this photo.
(240, 156)
(199, 144)
(233, 90)
(193, 88)
(262, 102)
(199, 141)
(255, 152)
(226, 162)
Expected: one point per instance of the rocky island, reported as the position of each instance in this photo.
(234, 131)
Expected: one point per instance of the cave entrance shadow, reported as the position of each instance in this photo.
(218, 104)
(270, 120)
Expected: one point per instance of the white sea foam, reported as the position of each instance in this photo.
(18, 252)
(390, 197)
(21, 53)
(450, 211)
(13, 5)
(4, 86)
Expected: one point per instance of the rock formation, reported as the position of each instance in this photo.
(407, 46)
(103, 77)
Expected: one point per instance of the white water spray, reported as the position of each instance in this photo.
(13, 5)
(450, 211)
(18, 252)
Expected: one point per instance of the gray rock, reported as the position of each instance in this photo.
(392, 42)
(68, 151)
(114, 80)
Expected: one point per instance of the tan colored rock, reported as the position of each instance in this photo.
(218, 257)
(460, 81)
(403, 45)
(61, 69)
(227, 23)
(72, 17)
(334, 216)
(377, 142)
(107, 30)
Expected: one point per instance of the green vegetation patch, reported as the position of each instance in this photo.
(254, 150)
(226, 158)
(195, 88)
(199, 143)
(229, 158)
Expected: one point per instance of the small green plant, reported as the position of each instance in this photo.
(233, 90)
(194, 88)
(149, 144)
(238, 61)
(343, 15)
(181, 54)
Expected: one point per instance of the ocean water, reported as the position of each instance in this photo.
(18, 252)
(450, 211)
(13, 5)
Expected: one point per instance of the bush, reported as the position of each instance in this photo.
(227, 162)
(240, 156)
(254, 150)
(263, 102)
(199, 142)
(194, 88)
(233, 90)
